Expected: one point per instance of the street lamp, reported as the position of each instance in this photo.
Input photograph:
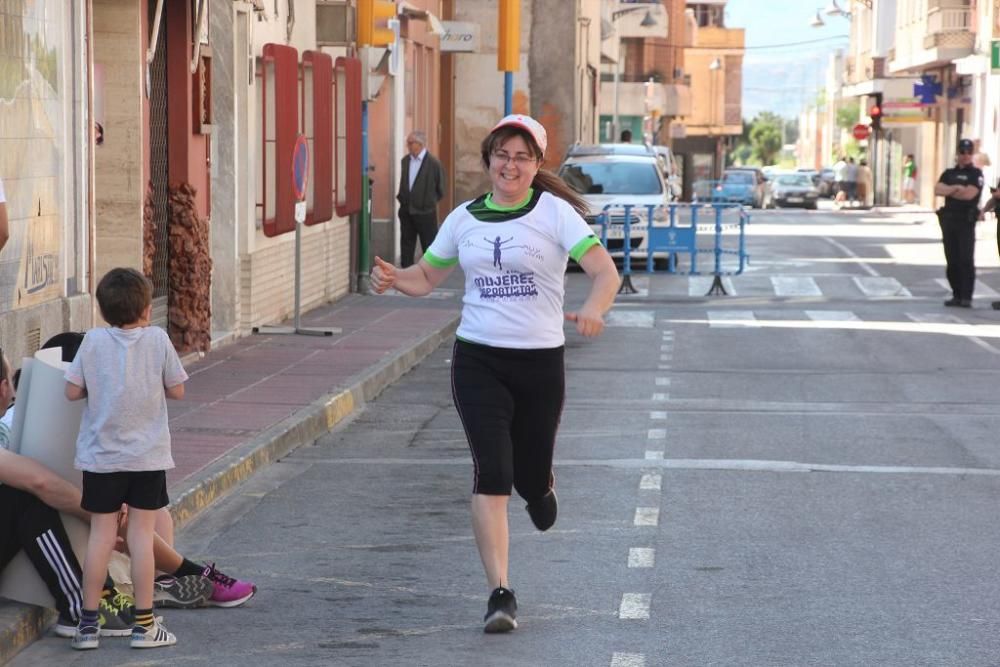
(647, 22)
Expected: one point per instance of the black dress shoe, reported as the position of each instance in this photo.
(952, 303)
(996, 305)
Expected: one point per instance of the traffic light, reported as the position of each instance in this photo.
(875, 112)
(373, 22)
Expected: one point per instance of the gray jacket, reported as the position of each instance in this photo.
(428, 188)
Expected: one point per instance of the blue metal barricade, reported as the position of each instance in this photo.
(666, 237)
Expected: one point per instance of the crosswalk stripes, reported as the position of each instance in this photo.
(699, 285)
(732, 318)
(880, 286)
(832, 316)
(981, 289)
(795, 286)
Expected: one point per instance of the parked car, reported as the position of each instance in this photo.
(744, 185)
(796, 189)
(826, 181)
(608, 174)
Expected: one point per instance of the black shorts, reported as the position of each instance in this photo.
(510, 402)
(105, 492)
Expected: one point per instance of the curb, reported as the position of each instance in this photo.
(22, 624)
(305, 426)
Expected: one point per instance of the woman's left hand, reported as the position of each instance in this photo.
(589, 322)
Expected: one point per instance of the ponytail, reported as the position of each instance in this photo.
(546, 181)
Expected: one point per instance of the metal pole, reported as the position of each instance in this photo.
(508, 93)
(614, 117)
(364, 233)
(298, 273)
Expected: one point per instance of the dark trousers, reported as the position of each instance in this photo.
(412, 225)
(510, 402)
(28, 523)
(958, 233)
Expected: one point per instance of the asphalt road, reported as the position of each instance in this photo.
(804, 472)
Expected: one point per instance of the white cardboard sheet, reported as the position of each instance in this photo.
(45, 429)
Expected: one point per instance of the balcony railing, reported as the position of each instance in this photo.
(943, 34)
(949, 27)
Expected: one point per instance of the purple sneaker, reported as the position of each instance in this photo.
(227, 591)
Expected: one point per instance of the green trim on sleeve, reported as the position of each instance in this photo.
(439, 262)
(581, 248)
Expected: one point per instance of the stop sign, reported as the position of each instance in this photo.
(861, 131)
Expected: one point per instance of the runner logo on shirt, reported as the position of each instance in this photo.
(510, 284)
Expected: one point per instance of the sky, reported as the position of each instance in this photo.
(784, 79)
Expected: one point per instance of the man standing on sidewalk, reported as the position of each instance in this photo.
(421, 187)
(960, 186)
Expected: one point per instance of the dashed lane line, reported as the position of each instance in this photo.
(628, 660)
(641, 557)
(651, 481)
(646, 516)
(635, 606)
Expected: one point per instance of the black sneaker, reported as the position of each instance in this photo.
(952, 303)
(501, 611)
(65, 626)
(185, 592)
(543, 511)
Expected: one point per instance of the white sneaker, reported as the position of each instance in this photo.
(155, 636)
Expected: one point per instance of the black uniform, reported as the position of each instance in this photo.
(958, 232)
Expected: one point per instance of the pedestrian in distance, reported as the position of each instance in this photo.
(851, 181)
(421, 187)
(840, 180)
(991, 206)
(909, 179)
(125, 372)
(4, 223)
(626, 137)
(865, 180)
(960, 186)
(508, 379)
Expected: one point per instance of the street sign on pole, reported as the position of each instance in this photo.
(861, 131)
(300, 180)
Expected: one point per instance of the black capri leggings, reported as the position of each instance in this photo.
(509, 402)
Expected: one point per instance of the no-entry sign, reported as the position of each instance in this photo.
(861, 131)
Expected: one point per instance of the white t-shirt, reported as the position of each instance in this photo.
(514, 263)
(124, 423)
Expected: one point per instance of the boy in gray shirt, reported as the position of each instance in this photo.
(125, 372)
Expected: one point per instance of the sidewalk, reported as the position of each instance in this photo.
(252, 401)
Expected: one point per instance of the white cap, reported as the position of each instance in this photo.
(532, 126)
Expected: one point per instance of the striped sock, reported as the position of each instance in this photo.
(88, 621)
(144, 618)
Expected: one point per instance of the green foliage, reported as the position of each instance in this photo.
(765, 138)
(761, 140)
(847, 115)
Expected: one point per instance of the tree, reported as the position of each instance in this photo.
(848, 115)
(766, 141)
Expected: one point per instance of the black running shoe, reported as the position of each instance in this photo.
(501, 611)
(958, 303)
(543, 511)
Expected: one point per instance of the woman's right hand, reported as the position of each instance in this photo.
(383, 275)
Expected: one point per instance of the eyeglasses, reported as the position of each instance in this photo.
(965, 152)
(521, 159)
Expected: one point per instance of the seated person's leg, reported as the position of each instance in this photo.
(28, 523)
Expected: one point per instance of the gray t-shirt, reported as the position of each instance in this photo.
(124, 424)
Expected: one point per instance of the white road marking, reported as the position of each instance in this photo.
(662, 382)
(646, 516)
(642, 319)
(739, 465)
(850, 253)
(880, 286)
(732, 318)
(661, 397)
(832, 316)
(943, 318)
(663, 367)
(666, 357)
(658, 414)
(628, 660)
(980, 289)
(651, 481)
(656, 434)
(669, 347)
(795, 286)
(635, 606)
(641, 557)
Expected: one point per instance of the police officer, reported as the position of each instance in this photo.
(960, 186)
